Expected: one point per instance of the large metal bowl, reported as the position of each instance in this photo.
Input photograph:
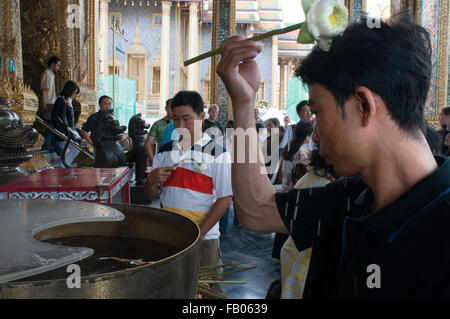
(173, 277)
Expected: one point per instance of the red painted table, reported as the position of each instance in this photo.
(100, 185)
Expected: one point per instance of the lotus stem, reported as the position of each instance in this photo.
(220, 282)
(227, 265)
(255, 38)
(226, 272)
(212, 294)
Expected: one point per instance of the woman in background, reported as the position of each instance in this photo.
(64, 121)
(295, 264)
(296, 152)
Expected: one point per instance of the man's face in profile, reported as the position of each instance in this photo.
(55, 66)
(444, 120)
(338, 136)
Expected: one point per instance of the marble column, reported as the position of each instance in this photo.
(290, 65)
(193, 46)
(282, 84)
(274, 99)
(165, 51)
(104, 32)
(178, 51)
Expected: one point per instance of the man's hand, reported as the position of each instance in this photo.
(43, 99)
(238, 71)
(43, 106)
(160, 175)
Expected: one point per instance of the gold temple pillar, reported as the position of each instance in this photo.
(21, 98)
(59, 28)
(223, 27)
(433, 15)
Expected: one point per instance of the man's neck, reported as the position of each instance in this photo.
(187, 145)
(398, 166)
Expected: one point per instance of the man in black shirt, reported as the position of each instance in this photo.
(383, 234)
(105, 104)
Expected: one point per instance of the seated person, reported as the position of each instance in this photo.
(105, 104)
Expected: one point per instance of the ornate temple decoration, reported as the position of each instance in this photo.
(223, 27)
(433, 15)
(15, 138)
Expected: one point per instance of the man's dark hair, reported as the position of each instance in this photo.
(70, 88)
(53, 60)
(259, 127)
(100, 100)
(191, 98)
(301, 105)
(275, 121)
(393, 61)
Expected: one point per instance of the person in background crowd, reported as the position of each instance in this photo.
(258, 120)
(444, 120)
(155, 134)
(304, 113)
(63, 120)
(287, 120)
(274, 131)
(48, 98)
(296, 152)
(211, 125)
(105, 104)
(434, 140)
(193, 177)
(295, 264)
(227, 141)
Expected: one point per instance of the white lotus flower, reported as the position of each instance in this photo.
(326, 19)
(202, 167)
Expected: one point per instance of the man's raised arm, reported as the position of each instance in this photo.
(254, 195)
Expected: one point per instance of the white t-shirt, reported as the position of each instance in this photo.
(188, 191)
(48, 83)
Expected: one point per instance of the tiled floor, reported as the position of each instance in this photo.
(239, 245)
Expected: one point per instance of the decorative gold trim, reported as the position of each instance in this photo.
(442, 59)
(214, 83)
(232, 33)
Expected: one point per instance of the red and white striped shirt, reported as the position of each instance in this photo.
(190, 192)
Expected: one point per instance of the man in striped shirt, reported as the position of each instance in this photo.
(193, 174)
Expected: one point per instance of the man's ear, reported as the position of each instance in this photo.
(202, 116)
(368, 104)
